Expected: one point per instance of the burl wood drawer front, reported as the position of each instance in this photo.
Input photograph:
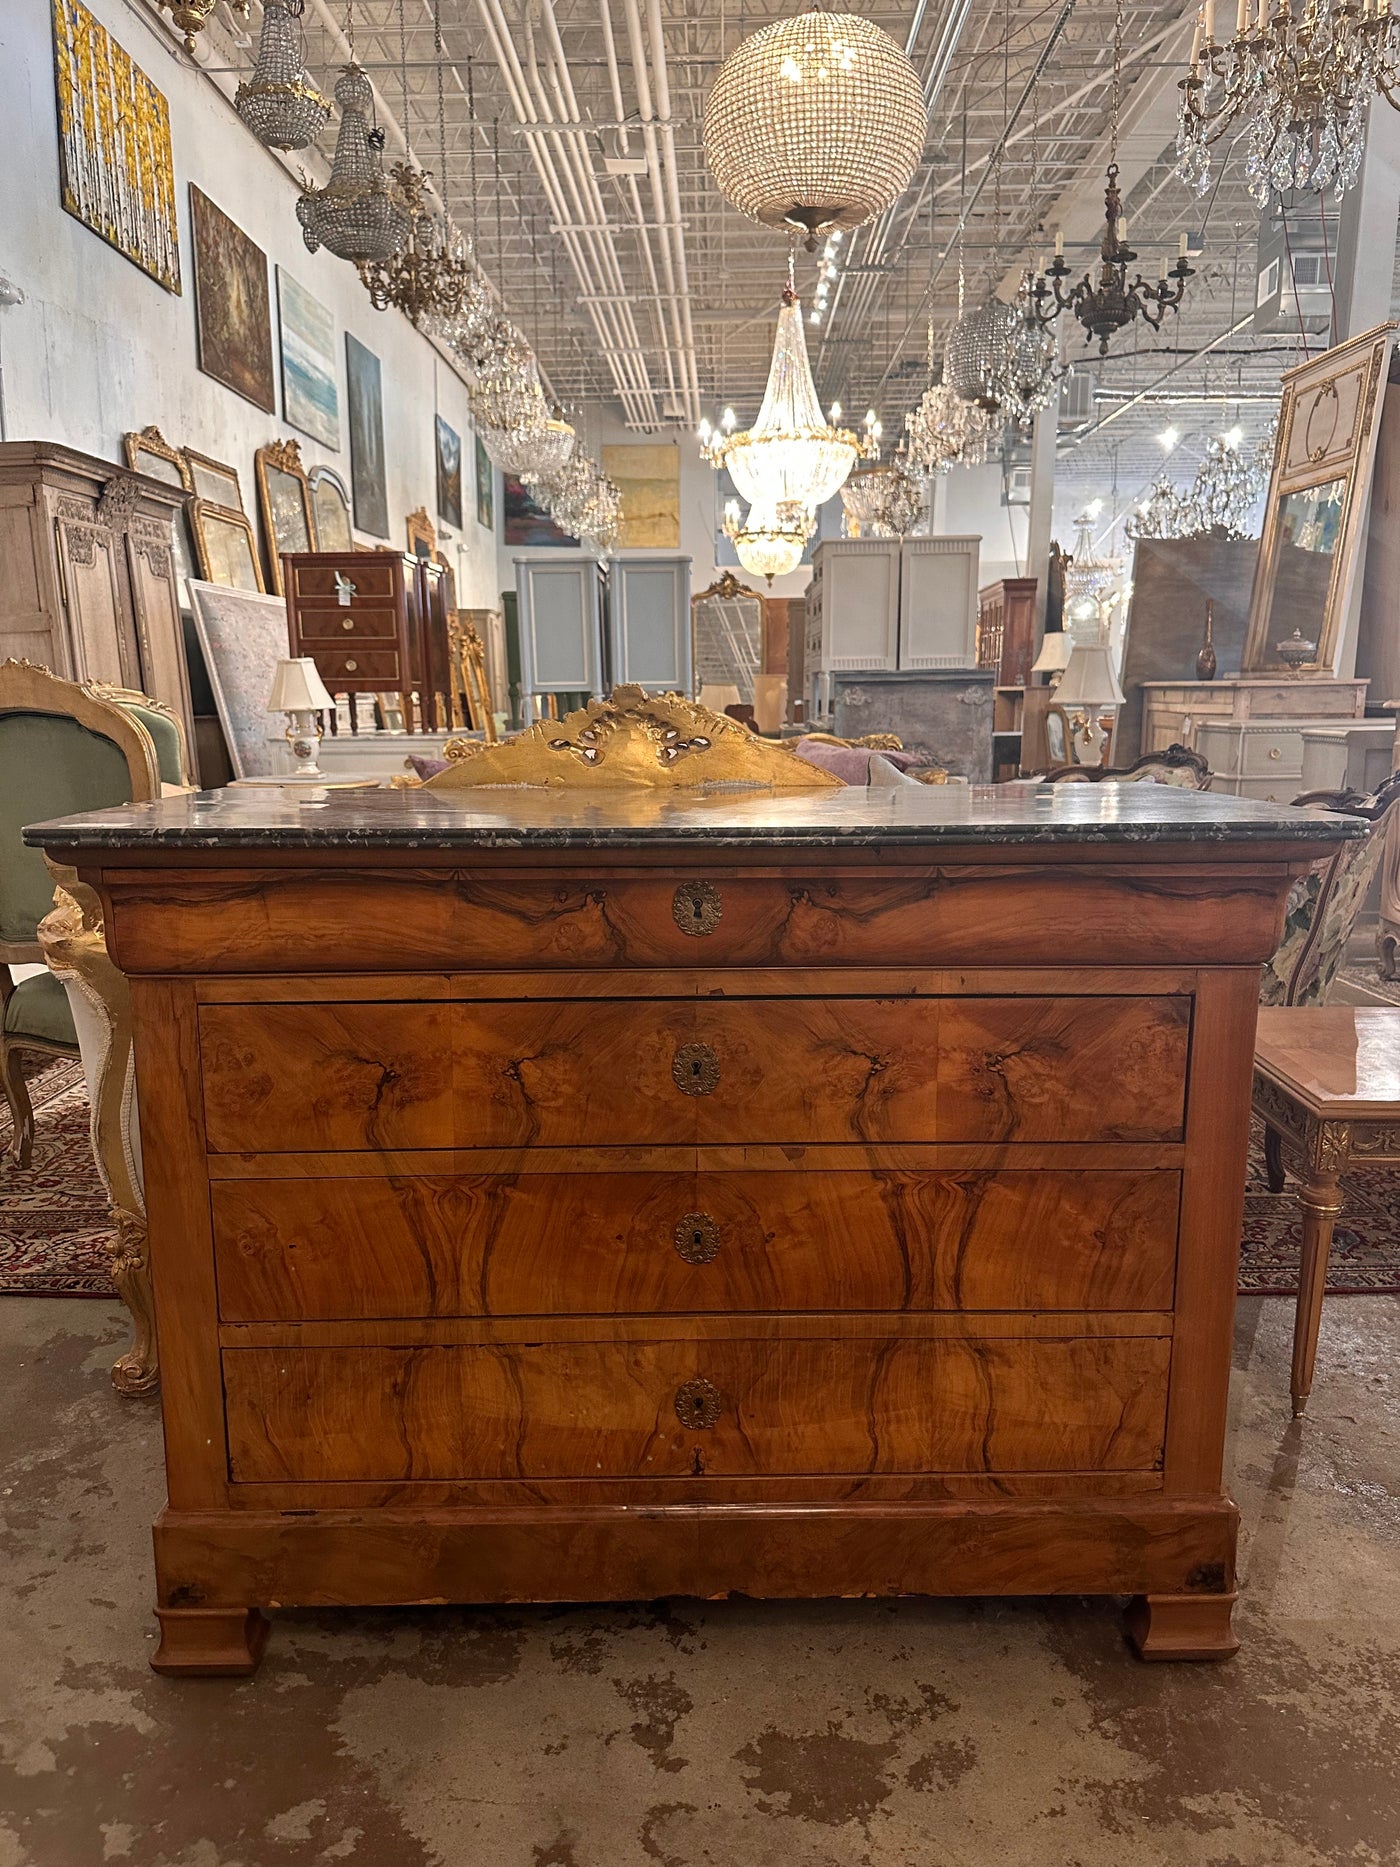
(587, 1072)
(670, 1408)
(644, 1243)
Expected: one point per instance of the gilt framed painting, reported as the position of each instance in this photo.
(233, 307)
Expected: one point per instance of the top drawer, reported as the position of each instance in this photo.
(563, 1073)
(372, 577)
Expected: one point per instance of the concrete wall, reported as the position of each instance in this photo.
(99, 348)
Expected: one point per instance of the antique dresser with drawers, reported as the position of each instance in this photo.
(373, 622)
(611, 1197)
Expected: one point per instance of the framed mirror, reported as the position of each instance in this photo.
(422, 534)
(149, 452)
(726, 626)
(330, 509)
(225, 547)
(1306, 577)
(212, 480)
(284, 501)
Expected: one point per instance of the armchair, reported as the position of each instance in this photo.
(66, 747)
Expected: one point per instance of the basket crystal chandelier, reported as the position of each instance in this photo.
(359, 214)
(1301, 81)
(814, 123)
(279, 103)
(769, 542)
(791, 456)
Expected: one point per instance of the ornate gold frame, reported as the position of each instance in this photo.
(150, 440)
(202, 509)
(1301, 462)
(468, 656)
(195, 460)
(281, 457)
(634, 741)
(726, 586)
(421, 531)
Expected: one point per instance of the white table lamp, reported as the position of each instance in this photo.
(299, 692)
(1088, 688)
(1054, 654)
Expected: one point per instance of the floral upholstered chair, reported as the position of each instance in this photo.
(66, 747)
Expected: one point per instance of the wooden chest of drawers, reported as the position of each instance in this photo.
(538, 1215)
(373, 622)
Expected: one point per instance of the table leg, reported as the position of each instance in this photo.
(1273, 1158)
(1328, 1145)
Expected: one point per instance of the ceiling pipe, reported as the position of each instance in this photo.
(676, 226)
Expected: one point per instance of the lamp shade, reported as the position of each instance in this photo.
(298, 688)
(1088, 679)
(1055, 652)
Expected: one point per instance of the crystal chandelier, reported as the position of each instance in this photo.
(584, 502)
(1106, 305)
(1163, 514)
(359, 214)
(427, 277)
(977, 352)
(815, 122)
(860, 502)
(944, 431)
(884, 502)
(770, 541)
(552, 442)
(1301, 81)
(790, 456)
(1088, 580)
(1002, 358)
(1222, 496)
(279, 103)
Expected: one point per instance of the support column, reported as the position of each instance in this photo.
(1366, 237)
(1043, 438)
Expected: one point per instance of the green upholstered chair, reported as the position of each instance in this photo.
(64, 747)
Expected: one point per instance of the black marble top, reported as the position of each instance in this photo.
(927, 815)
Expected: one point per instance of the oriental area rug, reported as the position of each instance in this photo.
(54, 1226)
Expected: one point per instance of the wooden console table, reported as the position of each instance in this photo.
(1327, 1078)
(568, 1199)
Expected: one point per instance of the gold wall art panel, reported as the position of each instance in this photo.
(116, 171)
(648, 475)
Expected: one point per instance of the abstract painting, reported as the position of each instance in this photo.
(116, 171)
(649, 478)
(485, 487)
(365, 395)
(233, 310)
(526, 521)
(310, 398)
(449, 475)
(243, 637)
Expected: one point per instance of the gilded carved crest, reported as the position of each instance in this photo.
(635, 738)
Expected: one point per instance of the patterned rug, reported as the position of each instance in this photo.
(54, 1225)
(1365, 1255)
(1364, 975)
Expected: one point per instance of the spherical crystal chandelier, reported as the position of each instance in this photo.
(279, 103)
(359, 214)
(770, 541)
(1301, 81)
(815, 122)
(791, 455)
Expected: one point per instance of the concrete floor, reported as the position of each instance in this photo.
(681, 1734)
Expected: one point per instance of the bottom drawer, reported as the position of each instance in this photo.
(662, 1409)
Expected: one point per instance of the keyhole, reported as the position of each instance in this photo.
(697, 1238)
(695, 1069)
(695, 909)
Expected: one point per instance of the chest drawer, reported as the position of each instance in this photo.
(652, 1072)
(366, 668)
(687, 1243)
(332, 624)
(676, 1407)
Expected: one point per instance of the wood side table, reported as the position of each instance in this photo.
(1326, 1077)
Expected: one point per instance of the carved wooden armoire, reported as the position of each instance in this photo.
(90, 589)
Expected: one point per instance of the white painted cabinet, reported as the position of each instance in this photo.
(562, 608)
(649, 636)
(938, 602)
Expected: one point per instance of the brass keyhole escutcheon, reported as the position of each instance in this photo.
(697, 1237)
(696, 907)
(698, 1405)
(695, 1069)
